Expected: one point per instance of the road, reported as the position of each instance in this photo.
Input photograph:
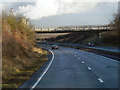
(106, 48)
(72, 68)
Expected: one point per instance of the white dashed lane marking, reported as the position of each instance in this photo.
(82, 61)
(100, 80)
(89, 68)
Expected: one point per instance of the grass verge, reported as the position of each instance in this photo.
(21, 76)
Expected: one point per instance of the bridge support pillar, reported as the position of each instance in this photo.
(98, 36)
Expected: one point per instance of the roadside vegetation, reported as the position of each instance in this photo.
(79, 37)
(20, 55)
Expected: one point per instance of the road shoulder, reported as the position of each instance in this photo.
(37, 74)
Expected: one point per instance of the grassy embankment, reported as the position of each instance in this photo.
(107, 38)
(75, 38)
(20, 56)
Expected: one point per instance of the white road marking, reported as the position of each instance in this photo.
(110, 59)
(89, 68)
(100, 80)
(82, 61)
(35, 84)
(78, 58)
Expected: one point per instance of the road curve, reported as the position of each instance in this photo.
(72, 68)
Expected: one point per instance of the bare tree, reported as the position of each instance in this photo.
(116, 23)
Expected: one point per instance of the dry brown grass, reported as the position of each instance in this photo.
(111, 39)
(19, 55)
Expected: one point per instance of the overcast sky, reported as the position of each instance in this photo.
(64, 12)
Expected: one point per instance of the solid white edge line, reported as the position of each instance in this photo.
(111, 59)
(43, 72)
(100, 80)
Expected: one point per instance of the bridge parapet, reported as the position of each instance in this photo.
(74, 28)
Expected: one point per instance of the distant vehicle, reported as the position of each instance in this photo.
(91, 44)
(54, 46)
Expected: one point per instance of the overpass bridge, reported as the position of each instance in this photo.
(96, 30)
(70, 29)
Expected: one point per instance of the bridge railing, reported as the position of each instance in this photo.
(73, 29)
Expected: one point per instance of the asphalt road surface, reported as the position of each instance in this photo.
(72, 68)
(106, 48)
